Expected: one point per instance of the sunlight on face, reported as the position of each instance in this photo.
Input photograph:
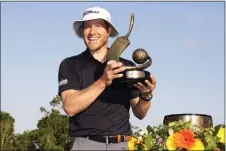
(95, 34)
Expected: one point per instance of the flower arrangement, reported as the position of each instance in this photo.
(178, 135)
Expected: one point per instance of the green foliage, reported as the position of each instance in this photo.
(210, 142)
(54, 128)
(56, 101)
(178, 125)
(43, 110)
(149, 142)
(48, 140)
(206, 135)
(7, 131)
(157, 131)
(164, 137)
(52, 131)
(26, 140)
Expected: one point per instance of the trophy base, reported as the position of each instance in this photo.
(132, 77)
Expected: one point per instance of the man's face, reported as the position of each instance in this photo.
(95, 34)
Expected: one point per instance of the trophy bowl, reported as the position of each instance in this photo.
(200, 120)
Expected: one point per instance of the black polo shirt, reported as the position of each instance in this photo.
(109, 113)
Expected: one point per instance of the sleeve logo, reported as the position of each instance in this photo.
(63, 82)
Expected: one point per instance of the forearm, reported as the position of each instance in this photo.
(141, 108)
(79, 101)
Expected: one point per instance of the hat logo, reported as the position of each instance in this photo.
(90, 11)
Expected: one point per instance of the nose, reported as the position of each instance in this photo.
(93, 30)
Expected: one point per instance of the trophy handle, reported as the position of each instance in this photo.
(130, 27)
(120, 44)
(140, 67)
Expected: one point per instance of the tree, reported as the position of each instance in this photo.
(7, 131)
(57, 103)
(27, 140)
(51, 133)
(53, 128)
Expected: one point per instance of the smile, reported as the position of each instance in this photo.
(93, 39)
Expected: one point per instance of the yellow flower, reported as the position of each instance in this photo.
(220, 134)
(131, 143)
(138, 140)
(198, 145)
(171, 145)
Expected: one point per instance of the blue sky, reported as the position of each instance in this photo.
(184, 39)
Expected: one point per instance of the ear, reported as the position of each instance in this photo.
(81, 31)
(110, 30)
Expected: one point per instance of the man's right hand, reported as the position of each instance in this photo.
(111, 72)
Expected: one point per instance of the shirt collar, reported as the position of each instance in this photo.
(90, 57)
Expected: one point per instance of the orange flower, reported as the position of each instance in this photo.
(184, 139)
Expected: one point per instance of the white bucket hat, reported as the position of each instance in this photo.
(94, 13)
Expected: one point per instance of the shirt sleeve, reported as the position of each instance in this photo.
(134, 93)
(67, 76)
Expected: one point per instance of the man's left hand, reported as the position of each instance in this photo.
(147, 89)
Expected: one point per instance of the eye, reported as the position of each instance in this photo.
(86, 26)
(99, 25)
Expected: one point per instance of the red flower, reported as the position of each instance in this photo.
(184, 139)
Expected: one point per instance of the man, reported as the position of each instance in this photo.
(98, 111)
